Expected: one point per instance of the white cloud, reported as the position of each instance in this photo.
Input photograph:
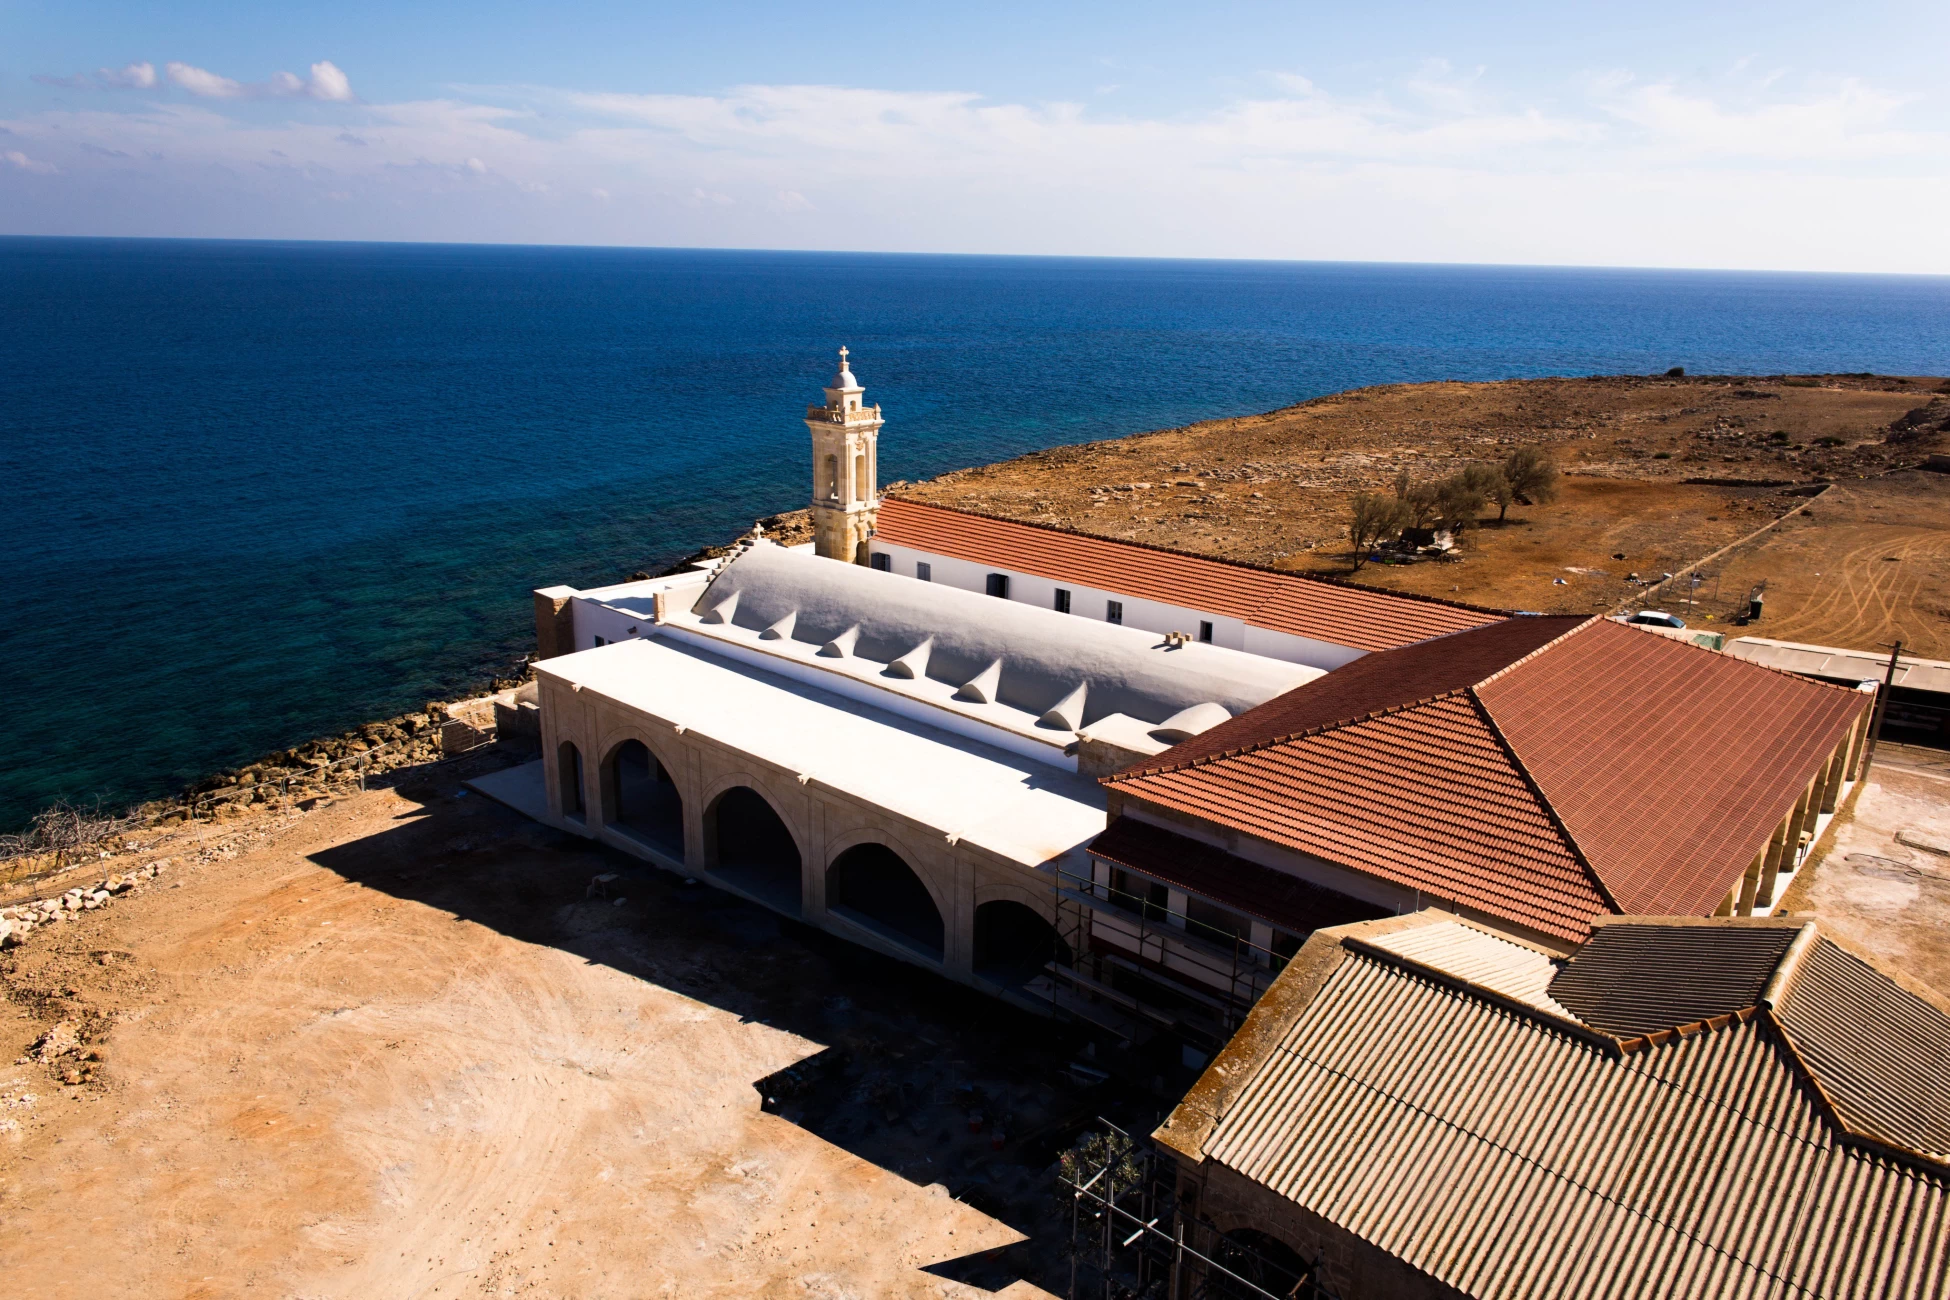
(135, 76)
(1848, 121)
(204, 84)
(1440, 166)
(327, 82)
(26, 164)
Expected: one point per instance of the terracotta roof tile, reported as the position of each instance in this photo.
(1667, 763)
(1372, 684)
(1268, 598)
(1425, 797)
(1548, 770)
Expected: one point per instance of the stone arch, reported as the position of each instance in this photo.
(568, 776)
(872, 885)
(1013, 941)
(749, 845)
(1036, 900)
(641, 798)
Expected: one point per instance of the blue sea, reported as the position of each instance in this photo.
(251, 493)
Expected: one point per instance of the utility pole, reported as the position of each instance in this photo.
(1881, 707)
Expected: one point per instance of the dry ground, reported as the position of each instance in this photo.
(389, 1049)
(1884, 883)
(1272, 489)
(1871, 565)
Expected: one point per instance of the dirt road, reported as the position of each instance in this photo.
(1871, 566)
(389, 1049)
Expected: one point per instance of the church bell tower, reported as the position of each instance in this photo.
(845, 437)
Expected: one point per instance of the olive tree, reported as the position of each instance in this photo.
(1532, 476)
(1371, 517)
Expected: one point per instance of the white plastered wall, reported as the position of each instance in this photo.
(1150, 615)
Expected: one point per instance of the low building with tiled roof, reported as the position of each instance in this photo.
(1420, 1107)
(1539, 773)
(1246, 607)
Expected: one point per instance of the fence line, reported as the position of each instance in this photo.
(27, 867)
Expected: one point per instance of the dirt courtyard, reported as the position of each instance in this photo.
(1884, 883)
(390, 1048)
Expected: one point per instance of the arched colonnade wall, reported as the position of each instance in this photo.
(824, 823)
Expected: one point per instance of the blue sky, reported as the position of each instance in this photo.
(1786, 136)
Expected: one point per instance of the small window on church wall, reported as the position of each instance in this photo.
(1205, 631)
(832, 476)
(861, 488)
(1113, 611)
(882, 561)
(924, 571)
(998, 585)
(1062, 600)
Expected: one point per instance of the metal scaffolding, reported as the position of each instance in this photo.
(1126, 966)
(1130, 1237)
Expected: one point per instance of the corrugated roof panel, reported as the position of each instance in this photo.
(1510, 1160)
(1268, 598)
(1881, 1053)
(1480, 958)
(1621, 980)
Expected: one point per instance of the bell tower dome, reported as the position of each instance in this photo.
(845, 446)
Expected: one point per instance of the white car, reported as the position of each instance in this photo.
(1656, 618)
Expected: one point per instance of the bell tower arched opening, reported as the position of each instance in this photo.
(845, 443)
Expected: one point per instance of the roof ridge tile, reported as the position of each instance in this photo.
(1199, 760)
(1336, 584)
(1554, 642)
(1537, 791)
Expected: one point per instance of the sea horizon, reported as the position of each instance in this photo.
(1629, 268)
(263, 490)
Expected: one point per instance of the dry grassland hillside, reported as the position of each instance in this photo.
(1659, 473)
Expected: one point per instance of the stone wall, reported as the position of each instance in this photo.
(1350, 1267)
(824, 822)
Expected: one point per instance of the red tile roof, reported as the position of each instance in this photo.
(1425, 797)
(1547, 770)
(1268, 598)
(1667, 764)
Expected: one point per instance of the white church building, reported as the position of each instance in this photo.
(897, 734)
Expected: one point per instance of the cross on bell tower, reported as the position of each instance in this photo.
(845, 445)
